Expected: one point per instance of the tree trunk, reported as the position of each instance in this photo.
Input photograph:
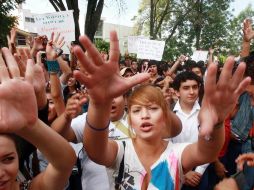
(152, 19)
(198, 23)
(93, 16)
(73, 5)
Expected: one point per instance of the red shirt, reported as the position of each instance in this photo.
(227, 128)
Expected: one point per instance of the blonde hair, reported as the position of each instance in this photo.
(145, 94)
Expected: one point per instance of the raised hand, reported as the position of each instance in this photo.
(74, 105)
(182, 58)
(23, 54)
(38, 43)
(221, 97)
(53, 44)
(18, 108)
(248, 32)
(101, 77)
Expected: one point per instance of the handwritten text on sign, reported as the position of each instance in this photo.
(133, 43)
(150, 49)
(61, 22)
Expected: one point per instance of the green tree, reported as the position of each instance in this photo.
(102, 45)
(184, 25)
(234, 39)
(7, 21)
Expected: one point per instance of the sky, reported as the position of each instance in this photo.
(110, 13)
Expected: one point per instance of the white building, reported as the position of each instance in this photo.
(123, 32)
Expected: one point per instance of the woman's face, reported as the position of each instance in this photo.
(71, 81)
(9, 164)
(52, 111)
(147, 120)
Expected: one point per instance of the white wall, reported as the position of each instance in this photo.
(122, 31)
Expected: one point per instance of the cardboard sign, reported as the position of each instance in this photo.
(199, 56)
(150, 49)
(61, 22)
(133, 43)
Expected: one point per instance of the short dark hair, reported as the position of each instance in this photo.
(196, 65)
(183, 77)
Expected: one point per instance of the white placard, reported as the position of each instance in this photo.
(199, 55)
(150, 49)
(133, 43)
(61, 22)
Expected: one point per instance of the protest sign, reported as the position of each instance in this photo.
(133, 43)
(57, 22)
(199, 55)
(150, 49)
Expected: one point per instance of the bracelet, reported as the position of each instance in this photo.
(53, 66)
(96, 129)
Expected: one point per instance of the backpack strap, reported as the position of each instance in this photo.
(118, 179)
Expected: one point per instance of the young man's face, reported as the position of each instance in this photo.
(153, 70)
(188, 92)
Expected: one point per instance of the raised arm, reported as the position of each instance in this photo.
(53, 70)
(219, 100)
(104, 83)
(62, 124)
(18, 100)
(248, 35)
(176, 64)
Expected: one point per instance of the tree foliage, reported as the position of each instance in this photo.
(102, 45)
(7, 21)
(233, 40)
(184, 25)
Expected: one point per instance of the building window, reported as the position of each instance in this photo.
(29, 19)
(21, 40)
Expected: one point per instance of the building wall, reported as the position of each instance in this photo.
(26, 20)
(122, 31)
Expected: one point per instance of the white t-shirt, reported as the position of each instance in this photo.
(190, 124)
(166, 172)
(94, 176)
(189, 131)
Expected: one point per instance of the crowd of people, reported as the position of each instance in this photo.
(89, 120)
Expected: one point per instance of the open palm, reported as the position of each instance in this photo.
(18, 107)
(221, 97)
(101, 77)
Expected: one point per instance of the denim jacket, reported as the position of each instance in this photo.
(242, 122)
